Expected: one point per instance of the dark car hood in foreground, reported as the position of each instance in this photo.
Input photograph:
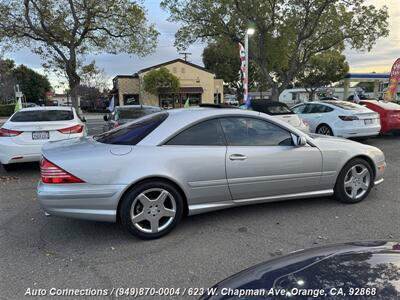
(348, 268)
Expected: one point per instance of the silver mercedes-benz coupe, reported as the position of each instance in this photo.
(152, 171)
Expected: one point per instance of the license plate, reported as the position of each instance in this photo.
(368, 121)
(40, 135)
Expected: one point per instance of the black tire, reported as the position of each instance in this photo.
(396, 132)
(341, 193)
(144, 187)
(324, 130)
(8, 167)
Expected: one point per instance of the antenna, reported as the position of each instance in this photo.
(185, 55)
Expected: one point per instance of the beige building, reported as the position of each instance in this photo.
(196, 84)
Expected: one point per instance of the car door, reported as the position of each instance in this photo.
(313, 115)
(199, 161)
(262, 160)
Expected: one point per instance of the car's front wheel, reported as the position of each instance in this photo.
(151, 209)
(354, 181)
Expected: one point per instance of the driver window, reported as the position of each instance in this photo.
(241, 131)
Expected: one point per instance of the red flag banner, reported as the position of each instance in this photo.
(391, 92)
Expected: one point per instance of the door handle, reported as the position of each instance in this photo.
(237, 157)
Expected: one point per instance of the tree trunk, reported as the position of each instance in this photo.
(275, 93)
(74, 81)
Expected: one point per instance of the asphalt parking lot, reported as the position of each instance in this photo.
(45, 252)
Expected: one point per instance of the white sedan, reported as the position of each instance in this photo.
(339, 118)
(26, 131)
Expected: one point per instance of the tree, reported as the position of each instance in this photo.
(33, 85)
(160, 79)
(222, 58)
(7, 80)
(288, 33)
(63, 32)
(322, 70)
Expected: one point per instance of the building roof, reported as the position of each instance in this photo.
(174, 61)
(367, 76)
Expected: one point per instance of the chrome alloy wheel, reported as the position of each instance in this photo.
(357, 181)
(324, 130)
(153, 210)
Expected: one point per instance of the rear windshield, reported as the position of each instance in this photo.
(43, 116)
(134, 113)
(279, 109)
(388, 105)
(132, 132)
(344, 105)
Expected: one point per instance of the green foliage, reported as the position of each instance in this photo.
(160, 79)
(288, 33)
(64, 32)
(323, 69)
(32, 84)
(6, 110)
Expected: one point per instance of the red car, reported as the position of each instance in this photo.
(389, 113)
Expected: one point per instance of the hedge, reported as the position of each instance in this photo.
(6, 110)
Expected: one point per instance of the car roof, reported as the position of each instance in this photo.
(128, 107)
(382, 104)
(184, 117)
(46, 108)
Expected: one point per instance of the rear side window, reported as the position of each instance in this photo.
(133, 132)
(254, 132)
(43, 116)
(207, 133)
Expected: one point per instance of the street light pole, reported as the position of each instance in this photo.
(250, 31)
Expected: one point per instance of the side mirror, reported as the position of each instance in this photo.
(105, 118)
(301, 141)
(83, 119)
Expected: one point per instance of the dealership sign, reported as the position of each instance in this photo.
(391, 92)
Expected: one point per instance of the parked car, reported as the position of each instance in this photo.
(127, 113)
(389, 113)
(26, 131)
(29, 104)
(188, 161)
(357, 270)
(339, 118)
(360, 96)
(279, 110)
(329, 98)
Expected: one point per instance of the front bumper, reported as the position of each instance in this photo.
(81, 200)
(380, 169)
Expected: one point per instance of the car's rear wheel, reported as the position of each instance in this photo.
(354, 181)
(151, 209)
(324, 130)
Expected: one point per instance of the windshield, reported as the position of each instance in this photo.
(42, 116)
(132, 132)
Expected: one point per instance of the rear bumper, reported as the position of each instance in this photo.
(81, 201)
(15, 153)
(358, 132)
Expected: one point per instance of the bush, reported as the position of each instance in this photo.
(6, 110)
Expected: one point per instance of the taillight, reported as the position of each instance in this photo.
(73, 129)
(9, 133)
(51, 173)
(348, 118)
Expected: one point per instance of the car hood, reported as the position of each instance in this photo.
(359, 265)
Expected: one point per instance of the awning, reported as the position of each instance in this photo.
(183, 90)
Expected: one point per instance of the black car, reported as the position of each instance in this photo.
(127, 113)
(362, 270)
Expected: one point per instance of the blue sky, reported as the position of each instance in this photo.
(378, 60)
